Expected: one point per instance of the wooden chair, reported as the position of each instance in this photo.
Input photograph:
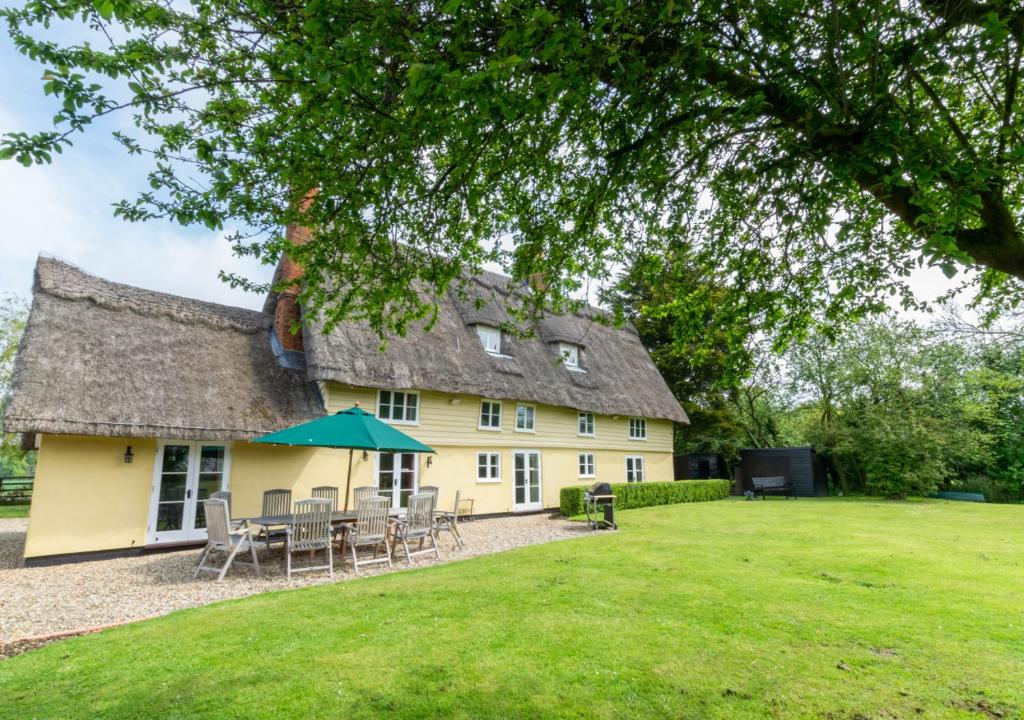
(418, 524)
(222, 538)
(275, 502)
(310, 531)
(432, 489)
(226, 496)
(370, 530)
(327, 492)
(449, 522)
(363, 492)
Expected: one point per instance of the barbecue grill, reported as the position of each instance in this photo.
(599, 504)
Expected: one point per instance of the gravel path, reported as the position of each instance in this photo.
(44, 600)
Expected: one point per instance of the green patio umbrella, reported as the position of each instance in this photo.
(354, 429)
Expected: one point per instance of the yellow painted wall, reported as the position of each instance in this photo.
(442, 423)
(256, 468)
(86, 497)
(455, 468)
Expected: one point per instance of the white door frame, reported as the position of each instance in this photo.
(188, 532)
(528, 506)
(415, 473)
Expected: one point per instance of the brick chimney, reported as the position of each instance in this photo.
(287, 311)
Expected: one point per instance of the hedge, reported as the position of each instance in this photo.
(643, 494)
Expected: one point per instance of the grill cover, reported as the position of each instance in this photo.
(601, 488)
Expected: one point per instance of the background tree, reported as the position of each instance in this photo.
(13, 314)
(902, 409)
(666, 299)
(810, 154)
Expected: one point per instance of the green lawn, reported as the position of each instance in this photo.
(813, 608)
(13, 511)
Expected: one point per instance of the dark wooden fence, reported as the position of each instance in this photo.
(16, 490)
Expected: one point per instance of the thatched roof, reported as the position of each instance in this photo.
(619, 379)
(100, 358)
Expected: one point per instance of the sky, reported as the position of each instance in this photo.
(65, 210)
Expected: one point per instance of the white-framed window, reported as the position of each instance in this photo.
(585, 425)
(488, 467)
(525, 418)
(490, 338)
(634, 468)
(588, 466)
(570, 354)
(490, 415)
(400, 407)
(637, 429)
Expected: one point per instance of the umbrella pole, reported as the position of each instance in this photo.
(348, 481)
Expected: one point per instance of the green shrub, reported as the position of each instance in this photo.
(643, 494)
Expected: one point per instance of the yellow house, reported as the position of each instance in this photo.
(141, 404)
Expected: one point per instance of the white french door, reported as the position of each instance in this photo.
(526, 480)
(185, 474)
(397, 477)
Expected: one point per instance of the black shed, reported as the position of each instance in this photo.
(800, 465)
(699, 466)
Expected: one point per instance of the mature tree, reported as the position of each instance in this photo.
(811, 154)
(13, 314)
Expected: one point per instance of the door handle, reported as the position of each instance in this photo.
(188, 494)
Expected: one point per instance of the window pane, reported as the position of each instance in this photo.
(410, 408)
(384, 406)
(387, 461)
(172, 487)
(211, 459)
(490, 338)
(175, 458)
(170, 516)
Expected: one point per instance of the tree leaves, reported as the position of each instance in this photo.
(807, 160)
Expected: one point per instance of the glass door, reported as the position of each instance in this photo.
(397, 477)
(526, 480)
(185, 475)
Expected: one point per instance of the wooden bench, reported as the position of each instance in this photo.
(774, 485)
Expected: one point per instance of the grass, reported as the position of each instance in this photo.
(13, 511)
(781, 609)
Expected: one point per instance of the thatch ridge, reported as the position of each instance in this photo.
(64, 280)
(102, 358)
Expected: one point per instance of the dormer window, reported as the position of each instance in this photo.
(490, 338)
(570, 354)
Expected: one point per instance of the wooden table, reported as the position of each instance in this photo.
(337, 517)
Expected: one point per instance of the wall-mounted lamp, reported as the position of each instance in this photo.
(366, 455)
(128, 456)
(430, 460)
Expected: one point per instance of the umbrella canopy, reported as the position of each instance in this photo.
(352, 428)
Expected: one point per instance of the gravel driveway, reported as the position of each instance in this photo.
(44, 600)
